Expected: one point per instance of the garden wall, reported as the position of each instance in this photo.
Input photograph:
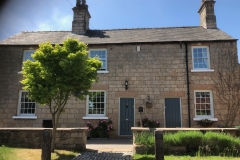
(66, 138)
(140, 149)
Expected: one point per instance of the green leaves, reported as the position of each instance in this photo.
(56, 70)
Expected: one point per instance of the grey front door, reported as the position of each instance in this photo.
(172, 113)
(126, 115)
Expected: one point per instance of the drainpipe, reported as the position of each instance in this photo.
(188, 88)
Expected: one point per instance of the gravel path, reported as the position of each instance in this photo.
(104, 156)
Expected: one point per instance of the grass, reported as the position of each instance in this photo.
(7, 153)
(151, 157)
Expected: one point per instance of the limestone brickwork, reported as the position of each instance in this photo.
(158, 70)
(70, 138)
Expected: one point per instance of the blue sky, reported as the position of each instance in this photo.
(35, 15)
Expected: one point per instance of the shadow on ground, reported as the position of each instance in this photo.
(62, 156)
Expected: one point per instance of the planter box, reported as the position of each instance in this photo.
(205, 124)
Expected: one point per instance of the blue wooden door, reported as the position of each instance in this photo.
(172, 113)
(126, 115)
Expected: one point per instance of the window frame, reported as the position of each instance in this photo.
(96, 116)
(106, 59)
(24, 54)
(208, 69)
(24, 116)
(200, 117)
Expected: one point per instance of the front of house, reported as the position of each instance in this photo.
(167, 68)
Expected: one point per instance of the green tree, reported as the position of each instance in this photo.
(57, 73)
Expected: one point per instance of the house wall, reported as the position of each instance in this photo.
(157, 71)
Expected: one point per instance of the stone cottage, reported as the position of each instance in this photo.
(164, 70)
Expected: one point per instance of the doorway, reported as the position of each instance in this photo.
(126, 116)
(172, 113)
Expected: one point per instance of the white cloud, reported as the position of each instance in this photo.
(57, 21)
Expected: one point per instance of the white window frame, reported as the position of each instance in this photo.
(96, 116)
(24, 54)
(22, 115)
(200, 117)
(102, 70)
(24, 58)
(208, 69)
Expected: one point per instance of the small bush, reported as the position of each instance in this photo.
(219, 142)
(210, 143)
(170, 139)
(190, 139)
(145, 138)
(101, 130)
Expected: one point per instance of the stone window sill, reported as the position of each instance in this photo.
(202, 70)
(199, 119)
(103, 72)
(95, 118)
(24, 117)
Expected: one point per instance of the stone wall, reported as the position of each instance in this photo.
(70, 138)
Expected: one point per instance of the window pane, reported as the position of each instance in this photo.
(200, 58)
(26, 105)
(199, 50)
(195, 50)
(101, 54)
(202, 102)
(27, 55)
(96, 101)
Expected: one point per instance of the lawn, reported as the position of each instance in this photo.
(151, 157)
(7, 153)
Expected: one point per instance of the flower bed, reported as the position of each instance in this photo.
(101, 130)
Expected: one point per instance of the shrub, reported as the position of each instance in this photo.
(144, 138)
(190, 139)
(210, 143)
(170, 139)
(219, 142)
(147, 122)
(101, 130)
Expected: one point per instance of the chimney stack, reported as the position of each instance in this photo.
(207, 15)
(81, 17)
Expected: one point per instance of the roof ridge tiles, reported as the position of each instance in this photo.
(117, 29)
(148, 28)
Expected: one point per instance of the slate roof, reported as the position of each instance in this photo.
(120, 36)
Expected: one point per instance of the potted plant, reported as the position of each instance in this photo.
(101, 130)
(147, 122)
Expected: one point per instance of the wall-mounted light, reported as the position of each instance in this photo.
(126, 84)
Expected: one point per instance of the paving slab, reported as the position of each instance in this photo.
(107, 149)
(110, 145)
